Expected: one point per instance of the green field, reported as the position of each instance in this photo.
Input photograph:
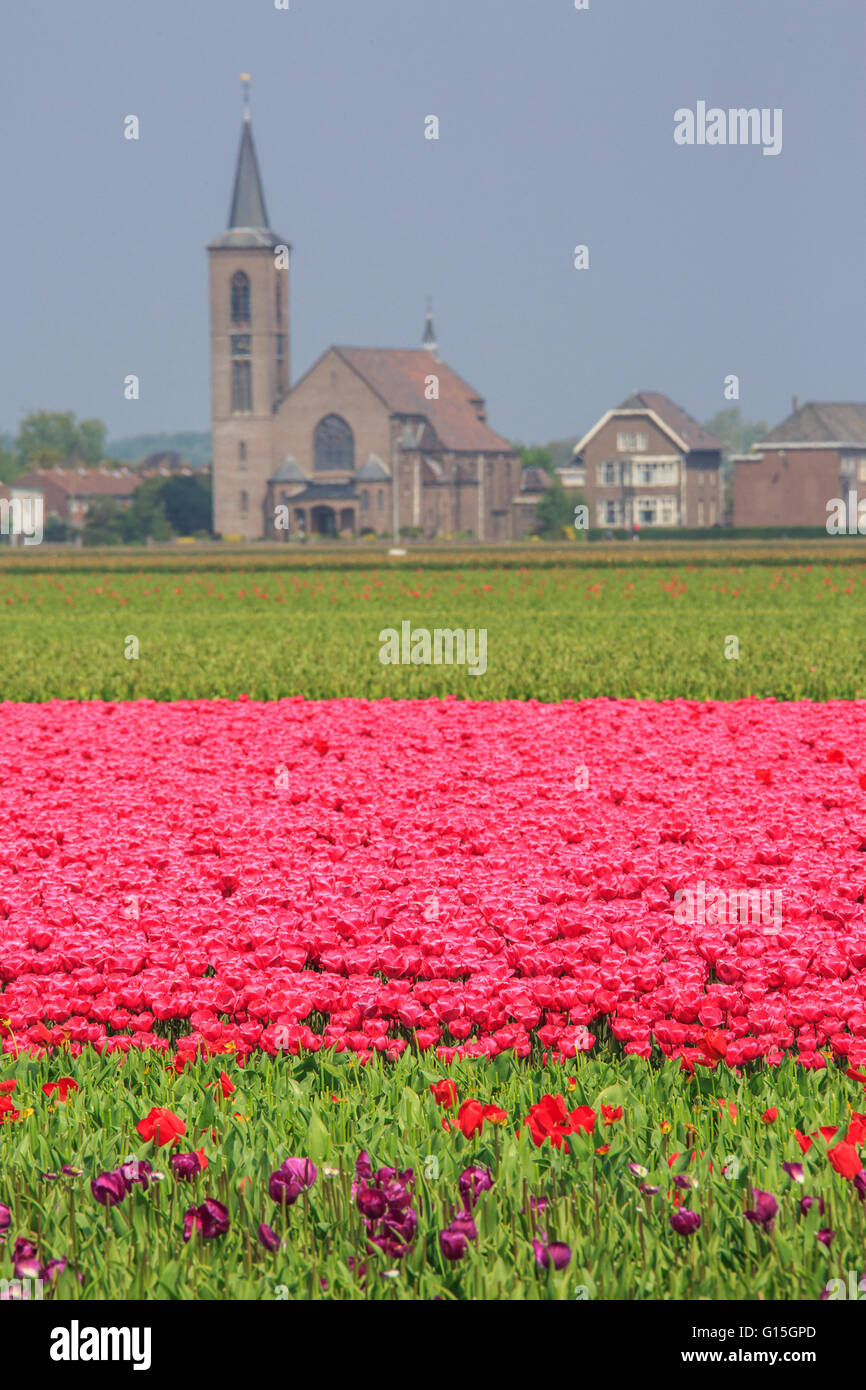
(647, 626)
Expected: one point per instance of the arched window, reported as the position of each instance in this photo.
(240, 297)
(245, 504)
(365, 501)
(333, 446)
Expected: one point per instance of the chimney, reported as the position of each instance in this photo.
(795, 405)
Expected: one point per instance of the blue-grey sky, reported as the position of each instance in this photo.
(556, 128)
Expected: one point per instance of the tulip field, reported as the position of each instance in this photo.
(319, 980)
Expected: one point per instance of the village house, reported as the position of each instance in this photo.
(818, 453)
(648, 463)
(67, 492)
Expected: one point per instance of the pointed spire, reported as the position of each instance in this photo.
(248, 199)
(429, 339)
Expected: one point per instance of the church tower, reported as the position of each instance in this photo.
(249, 332)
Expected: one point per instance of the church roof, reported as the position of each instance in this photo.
(248, 218)
(326, 492)
(373, 471)
(289, 472)
(398, 376)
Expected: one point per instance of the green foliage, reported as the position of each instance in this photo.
(194, 447)
(735, 433)
(328, 1107)
(555, 510)
(536, 456)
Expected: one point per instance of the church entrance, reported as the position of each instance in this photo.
(323, 521)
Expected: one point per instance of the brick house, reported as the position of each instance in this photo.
(816, 454)
(67, 492)
(648, 463)
(368, 440)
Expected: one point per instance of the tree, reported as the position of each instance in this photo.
(46, 437)
(555, 510)
(104, 523)
(91, 441)
(187, 503)
(536, 456)
(736, 435)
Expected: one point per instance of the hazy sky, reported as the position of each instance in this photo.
(556, 128)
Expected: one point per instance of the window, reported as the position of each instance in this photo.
(607, 474)
(861, 470)
(333, 446)
(242, 454)
(242, 374)
(281, 364)
(365, 501)
(278, 300)
(628, 443)
(380, 500)
(610, 513)
(701, 513)
(240, 297)
(245, 504)
(669, 511)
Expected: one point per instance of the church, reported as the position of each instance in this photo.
(369, 441)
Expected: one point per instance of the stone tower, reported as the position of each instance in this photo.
(249, 332)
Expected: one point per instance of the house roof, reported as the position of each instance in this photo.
(688, 429)
(822, 422)
(84, 482)
(398, 377)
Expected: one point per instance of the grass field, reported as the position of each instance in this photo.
(646, 630)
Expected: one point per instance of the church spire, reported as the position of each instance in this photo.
(248, 199)
(429, 340)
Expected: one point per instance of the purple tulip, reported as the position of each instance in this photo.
(363, 1167)
(807, 1202)
(5, 1220)
(557, 1253)
(794, 1171)
(23, 1250)
(860, 1184)
(185, 1166)
(685, 1222)
(648, 1191)
(452, 1244)
(269, 1238)
(28, 1268)
(70, 1171)
(464, 1225)
(765, 1210)
(683, 1182)
(371, 1203)
(826, 1236)
(472, 1182)
(52, 1268)
(136, 1170)
(301, 1171)
(211, 1219)
(109, 1188)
